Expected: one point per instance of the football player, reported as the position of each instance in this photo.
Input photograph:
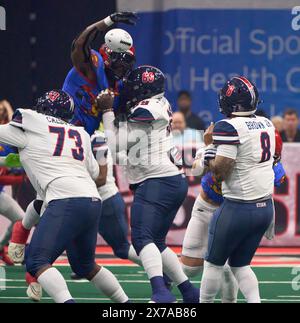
(159, 187)
(243, 162)
(57, 156)
(9, 208)
(95, 71)
(196, 236)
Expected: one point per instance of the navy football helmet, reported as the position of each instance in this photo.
(143, 83)
(56, 103)
(238, 97)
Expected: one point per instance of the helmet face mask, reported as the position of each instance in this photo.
(121, 64)
(118, 64)
(238, 97)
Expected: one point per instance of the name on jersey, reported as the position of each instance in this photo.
(256, 125)
(55, 120)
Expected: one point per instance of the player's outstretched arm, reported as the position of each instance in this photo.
(81, 47)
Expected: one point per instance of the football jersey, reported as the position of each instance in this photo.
(252, 177)
(56, 156)
(149, 126)
(84, 94)
(145, 138)
(103, 156)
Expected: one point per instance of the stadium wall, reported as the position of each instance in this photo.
(287, 204)
(201, 43)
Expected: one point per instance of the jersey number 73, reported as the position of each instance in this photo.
(77, 152)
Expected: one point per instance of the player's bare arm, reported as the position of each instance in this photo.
(221, 167)
(81, 47)
(101, 179)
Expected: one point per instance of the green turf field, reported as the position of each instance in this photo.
(275, 285)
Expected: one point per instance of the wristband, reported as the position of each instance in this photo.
(108, 21)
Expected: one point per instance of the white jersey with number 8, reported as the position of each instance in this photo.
(251, 142)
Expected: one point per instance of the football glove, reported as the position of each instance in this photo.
(125, 17)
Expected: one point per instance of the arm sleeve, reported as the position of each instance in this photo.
(141, 114)
(117, 138)
(224, 133)
(229, 151)
(13, 136)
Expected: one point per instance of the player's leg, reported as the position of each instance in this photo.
(13, 212)
(261, 216)
(196, 238)
(21, 231)
(170, 202)
(195, 245)
(143, 218)
(81, 255)
(113, 227)
(229, 286)
(61, 222)
(227, 228)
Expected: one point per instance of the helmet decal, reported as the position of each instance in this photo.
(148, 77)
(230, 90)
(53, 95)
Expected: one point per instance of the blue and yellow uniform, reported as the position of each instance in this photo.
(84, 92)
(213, 189)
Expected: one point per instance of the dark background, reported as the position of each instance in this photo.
(35, 48)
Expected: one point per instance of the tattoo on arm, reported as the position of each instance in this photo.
(221, 167)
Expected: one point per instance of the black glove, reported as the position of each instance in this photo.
(126, 17)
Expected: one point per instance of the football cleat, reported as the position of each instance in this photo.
(5, 257)
(34, 292)
(16, 252)
(163, 297)
(193, 297)
(16, 248)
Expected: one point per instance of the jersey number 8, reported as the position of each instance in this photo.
(265, 146)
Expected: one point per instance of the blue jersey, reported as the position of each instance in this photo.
(4, 151)
(84, 92)
(212, 188)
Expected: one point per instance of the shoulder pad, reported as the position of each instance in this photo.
(17, 118)
(224, 133)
